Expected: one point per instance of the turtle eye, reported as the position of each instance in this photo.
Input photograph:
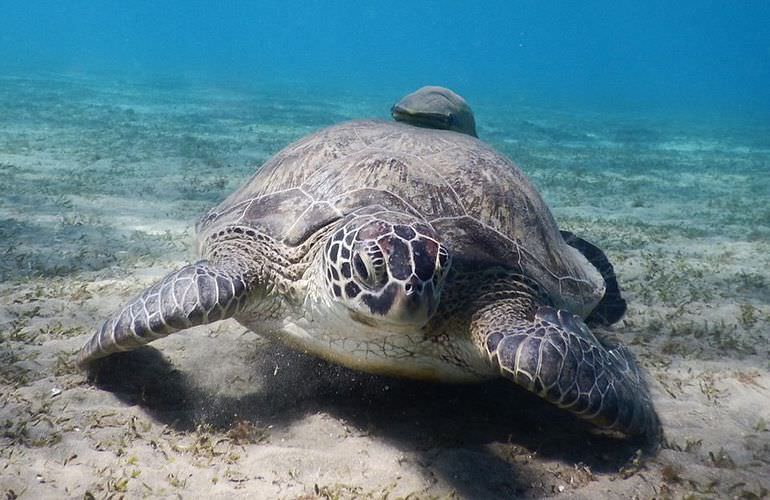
(362, 270)
(369, 266)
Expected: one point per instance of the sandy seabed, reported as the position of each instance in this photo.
(102, 182)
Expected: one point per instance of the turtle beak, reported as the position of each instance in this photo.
(416, 300)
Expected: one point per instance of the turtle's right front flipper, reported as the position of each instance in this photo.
(194, 295)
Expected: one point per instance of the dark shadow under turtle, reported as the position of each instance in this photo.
(420, 417)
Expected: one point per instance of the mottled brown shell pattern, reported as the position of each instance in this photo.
(479, 202)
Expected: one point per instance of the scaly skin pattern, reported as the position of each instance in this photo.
(195, 294)
(554, 355)
(376, 259)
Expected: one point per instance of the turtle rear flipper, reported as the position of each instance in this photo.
(555, 356)
(194, 295)
(612, 307)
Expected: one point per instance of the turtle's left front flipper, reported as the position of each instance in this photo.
(554, 355)
(194, 295)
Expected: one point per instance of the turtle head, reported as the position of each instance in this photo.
(386, 269)
(435, 107)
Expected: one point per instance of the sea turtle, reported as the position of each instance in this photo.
(406, 251)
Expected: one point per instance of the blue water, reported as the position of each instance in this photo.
(699, 58)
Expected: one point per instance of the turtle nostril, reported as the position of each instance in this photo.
(413, 287)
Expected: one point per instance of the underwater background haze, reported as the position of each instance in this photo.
(697, 56)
